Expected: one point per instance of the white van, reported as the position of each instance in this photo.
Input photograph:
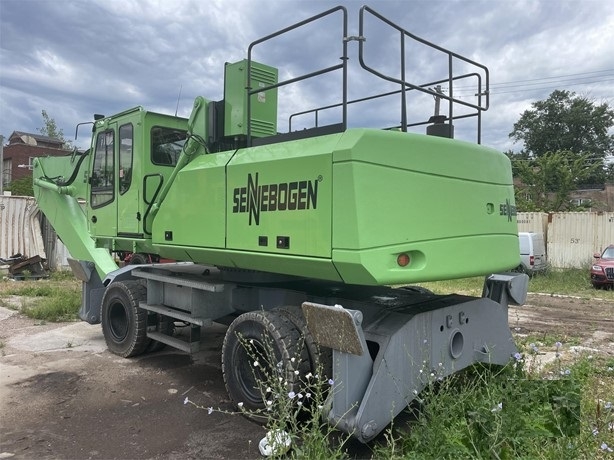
(532, 253)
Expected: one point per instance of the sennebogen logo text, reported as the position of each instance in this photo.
(284, 196)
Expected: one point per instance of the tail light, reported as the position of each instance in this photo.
(532, 260)
(403, 260)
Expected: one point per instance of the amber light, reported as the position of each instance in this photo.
(403, 260)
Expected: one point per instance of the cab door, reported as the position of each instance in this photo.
(128, 198)
(102, 206)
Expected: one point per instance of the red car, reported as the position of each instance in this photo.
(602, 271)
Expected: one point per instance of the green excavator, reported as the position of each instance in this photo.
(313, 238)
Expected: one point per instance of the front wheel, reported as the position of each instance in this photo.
(124, 324)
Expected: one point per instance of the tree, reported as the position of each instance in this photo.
(566, 122)
(21, 187)
(547, 181)
(50, 129)
(565, 141)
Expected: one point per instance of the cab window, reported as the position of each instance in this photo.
(103, 170)
(166, 145)
(125, 158)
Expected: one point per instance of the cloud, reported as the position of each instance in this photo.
(75, 58)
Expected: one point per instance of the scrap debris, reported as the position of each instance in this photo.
(21, 267)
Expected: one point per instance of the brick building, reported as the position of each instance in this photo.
(595, 199)
(21, 149)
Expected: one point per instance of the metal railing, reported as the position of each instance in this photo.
(342, 66)
(478, 78)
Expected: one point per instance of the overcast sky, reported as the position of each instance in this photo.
(74, 58)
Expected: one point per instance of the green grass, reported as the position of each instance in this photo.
(57, 299)
(573, 281)
(513, 413)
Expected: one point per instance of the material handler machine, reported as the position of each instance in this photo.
(310, 239)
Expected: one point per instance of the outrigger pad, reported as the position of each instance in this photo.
(335, 327)
(507, 287)
(80, 269)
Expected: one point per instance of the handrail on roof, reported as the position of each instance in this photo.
(342, 66)
(424, 88)
(480, 76)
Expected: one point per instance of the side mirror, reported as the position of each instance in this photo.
(597, 255)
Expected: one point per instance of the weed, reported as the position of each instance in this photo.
(521, 410)
(293, 409)
(47, 300)
(518, 411)
(546, 339)
(62, 275)
(58, 306)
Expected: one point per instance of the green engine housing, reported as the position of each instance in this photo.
(345, 207)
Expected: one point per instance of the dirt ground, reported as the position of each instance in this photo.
(566, 317)
(63, 396)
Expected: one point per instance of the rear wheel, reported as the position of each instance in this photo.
(139, 259)
(259, 347)
(320, 358)
(124, 324)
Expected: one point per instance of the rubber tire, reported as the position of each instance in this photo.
(240, 375)
(320, 358)
(124, 324)
(139, 259)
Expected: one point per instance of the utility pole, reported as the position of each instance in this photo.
(438, 90)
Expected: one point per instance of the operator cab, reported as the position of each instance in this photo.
(133, 154)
